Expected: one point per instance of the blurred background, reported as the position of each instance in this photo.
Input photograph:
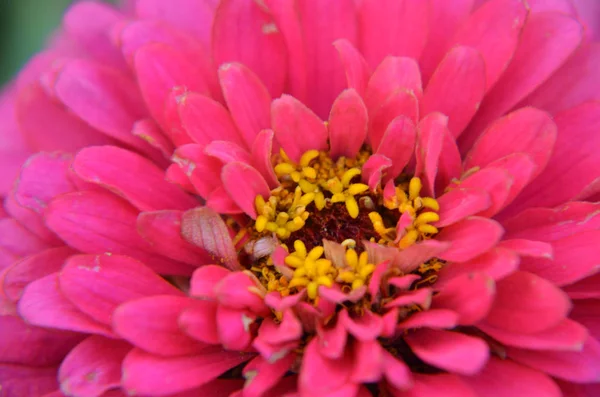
(24, 27)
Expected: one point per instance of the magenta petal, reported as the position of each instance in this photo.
(261, 375)
(397, 373)
(144, 373)
(97, 284)
(332, 340)
(347, 124)
(373, 169)
(145, 188)
(392, 75)
(448, 385)
(297, 128)
(579, 366)
(244, 183)
(93, 366)
(239, 26)
(469, 238)
(17, 240)
(432, 318)
(199, 321)
(456, 88)
(205, 229)
(470, 295)
(162, 229)
(567, 335)
(227, 152)
(204, 280)
(496, 263)
(44, 305)
(357, 70)
(151, 323)
(149, 131)
(248, 100)
(420, 297)
(18, 380)
(451, 351)
(501, 378)
(458, 204)
(527, 303)
(497, 182)
(240, 290)
(235, 328)
(368, 361)
(94, 221)
(321, 375)
(526, 130)
(408, 259)
(289, 330)
(398, 144)
(262, 150)
(364, 328)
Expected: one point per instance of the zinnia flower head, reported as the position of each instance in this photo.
(304, 198)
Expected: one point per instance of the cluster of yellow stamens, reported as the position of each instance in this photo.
(284, 212)
(311, 270)
(358, 269)
(422, 210)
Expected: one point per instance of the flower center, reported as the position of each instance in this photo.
(323, 216)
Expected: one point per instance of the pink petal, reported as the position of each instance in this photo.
(173, 126)
(469, 238)
(296, 127)
(199, 321)
(238, 28)
(496, 263)
(347, 124)
(151, 323)
(409, 258)
(437, 158)
(205, 229)
(261, 375)
(44, 305)
(494, 30)
(469, 295)
(146, 188)
(323, 24)
(373, 169)
(521, 167)
(97, 284)
(14, 238)
(585, 312)
(391, 75)
(555, 186)
(289, 330)
(399, 103)
(547, 40)
(448, 385)
(102, 97)
(204, 279)
(398, 144)
(262, 149)
(101, 222)
(53, 128)
(526, 303)
(404, 282)
(432, 318)
(364, 328)
(158, 69)
(383, 27)
(397, 373)
(567, 335)
(206, 120)
(244, 183)
(332, 340)
(368, 362)
(496, 181)
(144, 373)
(321, 375)
(240, 290)
(162, 229)
(451, 351)
(93, 367)
(202, 170)
(575, 258)
(458, 204)
(456, 88)
(235, 327)
(247, 99)
(421, 297)
(27, 381)
(503, 378)
(526, 130)
(24, 344)
(29, 219)
(149, 131)
(227, 152)
(357, 70)
(580, 366)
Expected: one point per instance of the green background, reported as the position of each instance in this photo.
(24, 27)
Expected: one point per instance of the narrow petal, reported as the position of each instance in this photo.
(347, 125)
(451, 351)
(239, 290)
(357, 70)
(458, 204)
(320, 374)
(144, 373)
(244, 183)
(199, 321)
(383, 25)
(448, 385)
(456, 88)
(262, 150)
(44, 305)
(240, 26)
(151, 323)
(399, 103)
(527, 303)
(469, 295)
(93, 367)
(261, 375)
(205, 229)
(146, 188)
(235, 328)
(396, 371)
(496, 263)
(204, 279)
(469, 238)
(432, 318)
(296, 127)
(496, 181)
(398, 144)
(393, 74)
(373, 169)
(90, 282)
(368, 362)
(365, 328)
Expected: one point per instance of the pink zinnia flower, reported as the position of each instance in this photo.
(302, 198)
